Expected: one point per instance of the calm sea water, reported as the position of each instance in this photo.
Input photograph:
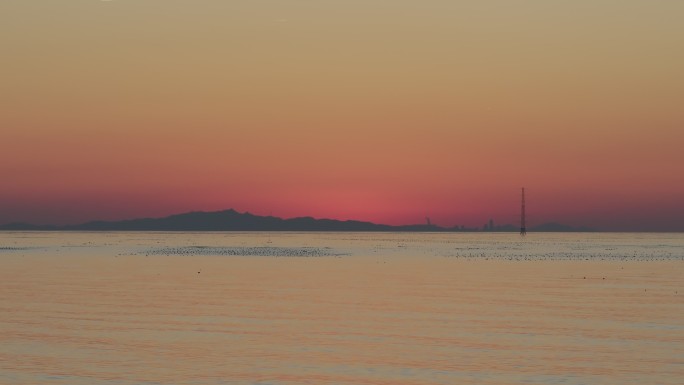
(341, 308)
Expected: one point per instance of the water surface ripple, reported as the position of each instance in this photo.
(378, 308)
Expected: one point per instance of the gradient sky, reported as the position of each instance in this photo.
(380, 110)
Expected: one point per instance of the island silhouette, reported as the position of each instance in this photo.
(231, 220)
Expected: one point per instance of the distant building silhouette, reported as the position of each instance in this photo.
(523, 228)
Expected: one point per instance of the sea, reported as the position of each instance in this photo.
(149, 308)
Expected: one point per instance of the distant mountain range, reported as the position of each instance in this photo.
(231, 220)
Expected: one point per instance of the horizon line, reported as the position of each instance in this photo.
(499, 228)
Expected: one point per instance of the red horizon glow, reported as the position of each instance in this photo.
(659, 217)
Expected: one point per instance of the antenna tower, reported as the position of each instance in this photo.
(523, 229)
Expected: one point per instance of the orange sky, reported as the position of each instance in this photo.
(385, 111)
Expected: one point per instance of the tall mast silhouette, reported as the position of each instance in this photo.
(523, 229)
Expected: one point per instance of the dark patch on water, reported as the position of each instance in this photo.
(13, 248)
(551, 256)
(259, 251)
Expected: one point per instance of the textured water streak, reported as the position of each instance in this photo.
(94, 308)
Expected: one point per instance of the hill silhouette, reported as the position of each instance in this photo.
(227, 220)
(231, 220)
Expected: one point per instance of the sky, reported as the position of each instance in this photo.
(380, 110)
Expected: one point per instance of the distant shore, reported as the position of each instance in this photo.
(231, 220)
